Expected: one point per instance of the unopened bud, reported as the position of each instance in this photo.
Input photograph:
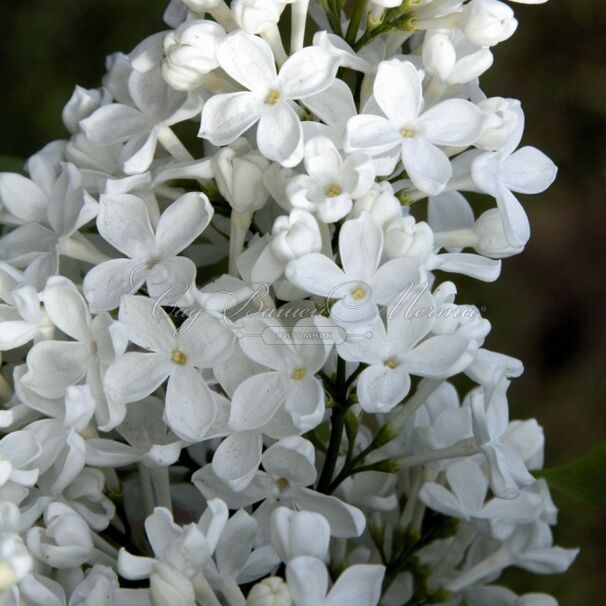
(491, 240)
(487, 22)
(190, 53)
(272, 591)
(503, 118)
(405, 237)
(256, 16)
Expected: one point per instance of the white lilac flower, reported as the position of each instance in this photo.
(268, 100)
(331, 183)
(151, 245)
(154, 107)
(526, 171)
(52, 230)
(290, 381)
(466, 500)
(289, 470)
(169, 354)
(409, 131)
(490, 417)
(363, 283)
(401, 348)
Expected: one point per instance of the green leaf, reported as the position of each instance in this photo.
(11, 164)
(584, 478)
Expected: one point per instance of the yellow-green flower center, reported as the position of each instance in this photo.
(298, 374)
(178, 357)
(333, 191)
(273, 97)
(358, 293)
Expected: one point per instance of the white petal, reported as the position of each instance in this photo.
(181, 223)
(307, 580)
(135, 375)
(317, 274)
(449, 211)
(371, 133)
(359, 584)
(108, 453)
(134, 567)
(380, 388)
(468, 264)
(207, 341)
(360, 246)
(440, 499)
(428, 167)
(515, 219)
(452, 122)
(16, 333)
(334, 106)
(170, 279)
(397, 90)
(248, 60)
(435, 357)
(308, 72)
(106, 283)
(123, 221)
(138, 153)
(226, 117)
(395, 278)
(113, 123)
(345, 520)
(528, 171)
(237, 458)
(279, 135)
(147, 324)
(323, 161)
(256, 400)
(67, 309)
(23, 198)
(190, 406)
(53, 365)
(468, 483)
(291, 458)
(305, 403)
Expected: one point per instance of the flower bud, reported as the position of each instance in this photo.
(504, 117)
(65, 542)
(491, 236)
(406, 238)
(380, 203)
(256, 16)
(439, 55)
(295, 235)
(239, 172)
(169, 586)
(488, 22)
(190, 53)
(272, 591)
(299, 533)
(201, 6)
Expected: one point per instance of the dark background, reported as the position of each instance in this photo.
(548, 308)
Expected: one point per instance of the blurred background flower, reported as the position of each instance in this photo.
(549, 307)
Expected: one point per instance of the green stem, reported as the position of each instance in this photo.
(337, 422)
(354, 23)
